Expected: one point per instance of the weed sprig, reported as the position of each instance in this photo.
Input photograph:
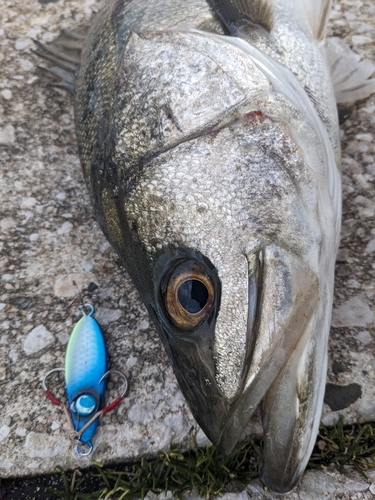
(208, 472)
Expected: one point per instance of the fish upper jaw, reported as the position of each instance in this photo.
(287, 300)
(286, 372)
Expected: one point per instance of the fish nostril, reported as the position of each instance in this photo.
(193, 295)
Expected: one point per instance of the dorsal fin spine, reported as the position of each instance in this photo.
(238, 13)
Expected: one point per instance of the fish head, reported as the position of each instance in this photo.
(213, 206)
(222, 240)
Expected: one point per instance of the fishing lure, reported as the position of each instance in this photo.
(86, 372)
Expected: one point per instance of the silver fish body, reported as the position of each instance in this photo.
(213, 165)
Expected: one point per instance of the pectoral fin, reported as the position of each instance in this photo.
(65, 54)
(350, 78)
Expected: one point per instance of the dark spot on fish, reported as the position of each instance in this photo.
(244, 226)
(201, 210)
(92, 287)
(170, 115)
(213, 132)
(43, 2)
(238, 168)
(338, 397)
(191, 373)
(22, 302)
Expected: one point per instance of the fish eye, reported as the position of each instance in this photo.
(189, 295)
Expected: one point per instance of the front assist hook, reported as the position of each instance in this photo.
(113, 405)
(47, 392)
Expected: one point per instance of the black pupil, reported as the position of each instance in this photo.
(193, 296)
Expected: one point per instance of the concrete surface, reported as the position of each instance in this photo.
(48, 238)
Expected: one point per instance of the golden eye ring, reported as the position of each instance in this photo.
(189, 295)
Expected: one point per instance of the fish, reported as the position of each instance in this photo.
(209, 140)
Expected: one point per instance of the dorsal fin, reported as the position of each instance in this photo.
(235, 14)
(317, 14)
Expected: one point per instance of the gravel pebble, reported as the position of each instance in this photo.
(7, 135)
(4, 432)
(143, 325)
(64, 286)
(29, 202)
(361, 40)
(65, 228)
(55, 425)
(367, 410)
(140, 413)
(7, 277)
(364, 337)
(7, 223)
(106, 316)
(37, 339)
(40, 445)
(7, 94)
(23, 43)
(354, 312)
(370, 247)
(366, 207)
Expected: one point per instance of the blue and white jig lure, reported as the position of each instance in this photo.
(86, 371)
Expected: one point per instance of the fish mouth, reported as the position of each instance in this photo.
(282, 301)
(286, 371)
(271, 346)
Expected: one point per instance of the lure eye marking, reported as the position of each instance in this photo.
(85, 405)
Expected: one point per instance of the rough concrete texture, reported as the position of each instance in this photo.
(48, 238)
